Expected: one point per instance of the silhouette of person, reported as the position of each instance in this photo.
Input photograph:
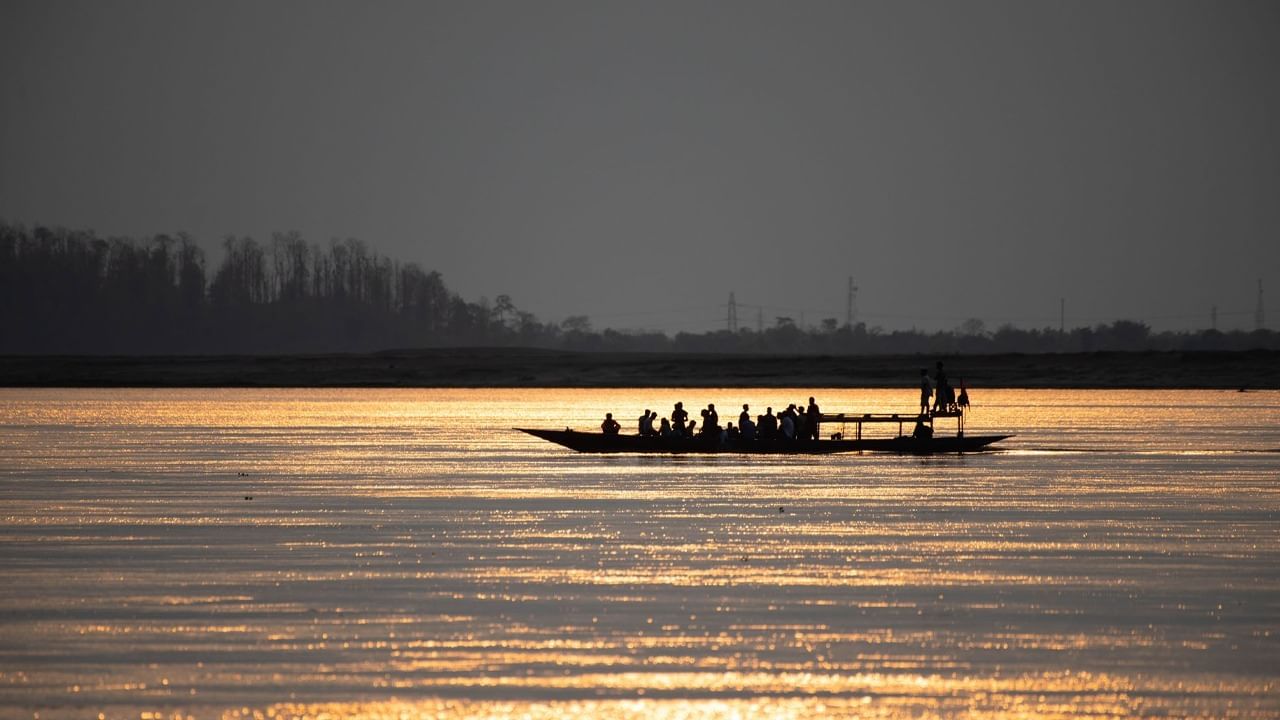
(926, 391)
(664, 428)
(940, 399)
(679, 417)
(610, 426)
(768, 425)
(745, 415)
(814, 420)
(963, 400)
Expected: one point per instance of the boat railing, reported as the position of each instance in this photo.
(860, 419)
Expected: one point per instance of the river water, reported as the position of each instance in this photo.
(404, 553)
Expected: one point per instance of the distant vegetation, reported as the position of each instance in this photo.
(74, 292)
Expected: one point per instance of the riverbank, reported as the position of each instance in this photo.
(506, 367)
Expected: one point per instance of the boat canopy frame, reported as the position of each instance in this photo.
(860, 419)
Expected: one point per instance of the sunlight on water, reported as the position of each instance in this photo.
(393, 553)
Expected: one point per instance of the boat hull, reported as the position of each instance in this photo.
(594, 442)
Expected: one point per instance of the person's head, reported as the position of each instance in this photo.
(646, 412)
(666, 423)
(608, 416)
(704, 413)
(810, 401)
(711, 406)
(679, 404)
(768, 411)
(745, 407)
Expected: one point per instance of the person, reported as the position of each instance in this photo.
(963, 400)
(705, 426)
(768, 426)
(691, 429)
(713, 418)
(678, 418)
(610, 426)
(664, 428)
(940, 399)
(814, 420)
(747, 428)
(802, 423)
(922, 431)
(926, 391)
(646, 424)
(788, 425)
(745, 416)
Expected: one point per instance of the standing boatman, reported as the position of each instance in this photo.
(926, 391)
(813, 420)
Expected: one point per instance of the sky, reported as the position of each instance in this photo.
(637, 162)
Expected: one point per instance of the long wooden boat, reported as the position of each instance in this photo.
(597, 442)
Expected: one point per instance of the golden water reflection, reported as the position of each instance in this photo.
(402, 553)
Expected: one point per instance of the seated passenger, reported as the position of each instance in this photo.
(748, 429)
(788, 427)
(646, 424)
(768, 425)
(678, 417)
(610, 426)
(664, 429)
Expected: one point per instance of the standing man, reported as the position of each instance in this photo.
(941, 391)
(815, 417)
(926, 391)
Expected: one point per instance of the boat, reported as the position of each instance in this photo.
(918, 443)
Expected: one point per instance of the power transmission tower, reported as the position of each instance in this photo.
(851, 304)
(1259, 318)
(733, 314)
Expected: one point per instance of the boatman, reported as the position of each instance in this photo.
(926, 391)
(610, 426)
(813, 420)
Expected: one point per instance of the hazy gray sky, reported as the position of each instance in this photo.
(624, 160)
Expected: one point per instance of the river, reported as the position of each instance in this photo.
(393, 553)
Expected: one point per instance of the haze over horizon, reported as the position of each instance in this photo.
(637, 162)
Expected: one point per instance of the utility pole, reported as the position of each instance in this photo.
(1259, 318)
(732, 320)
(851, 304)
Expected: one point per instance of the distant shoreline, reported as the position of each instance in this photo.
(519, 367)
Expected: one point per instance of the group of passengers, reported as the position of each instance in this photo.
(792, 424)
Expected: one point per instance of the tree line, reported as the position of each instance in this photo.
(75, 292)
